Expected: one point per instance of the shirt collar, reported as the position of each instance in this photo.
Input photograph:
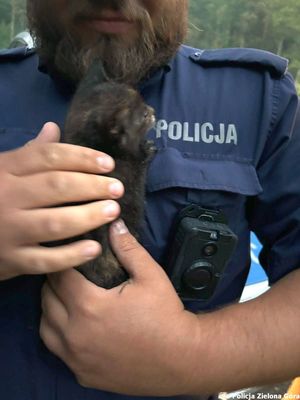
(153, 77)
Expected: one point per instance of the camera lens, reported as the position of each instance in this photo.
(209, 250)
(198, 276)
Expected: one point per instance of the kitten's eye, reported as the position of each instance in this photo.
(146, 114)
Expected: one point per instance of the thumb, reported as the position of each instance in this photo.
(132, 256)
(49, 133)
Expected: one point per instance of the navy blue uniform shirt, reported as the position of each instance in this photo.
(225, 120)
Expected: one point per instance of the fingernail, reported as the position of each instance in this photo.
(91, 250)
(116, 188)
(106, 162)
(111, 209)
(119, 227)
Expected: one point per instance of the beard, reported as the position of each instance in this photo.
(66, 52)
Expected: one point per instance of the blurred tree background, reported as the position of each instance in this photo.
(12, 20)
(272, 25)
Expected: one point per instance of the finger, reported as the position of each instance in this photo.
(58, 223)
(40, 157)
(132, 256)
(42, 260)
(54, 310)
(49, 133)
(51, 339)
(54, 188)
(75, 291)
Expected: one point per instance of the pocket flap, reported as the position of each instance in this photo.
(170, 168)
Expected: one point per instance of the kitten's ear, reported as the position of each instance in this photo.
(96, 74)
(100, 72)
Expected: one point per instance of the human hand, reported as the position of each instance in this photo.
(34, 179)
(134, 339)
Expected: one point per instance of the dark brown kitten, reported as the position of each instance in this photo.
(112, 117)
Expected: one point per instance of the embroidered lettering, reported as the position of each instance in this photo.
(206, 132)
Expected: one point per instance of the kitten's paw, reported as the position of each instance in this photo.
(150, 148)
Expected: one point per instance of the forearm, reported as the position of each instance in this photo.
(251, 343)
(139, 340)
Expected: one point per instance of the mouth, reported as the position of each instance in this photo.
(108, 22)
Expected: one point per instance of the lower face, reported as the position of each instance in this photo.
(87, 20)
(130, 36)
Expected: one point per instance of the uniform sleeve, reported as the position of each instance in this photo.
(274, 215)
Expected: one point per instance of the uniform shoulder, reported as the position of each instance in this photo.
(16, 54)
(239, 57)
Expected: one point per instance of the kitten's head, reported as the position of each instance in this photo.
(131, 120)
(115, 116)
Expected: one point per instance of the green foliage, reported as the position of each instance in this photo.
(4, 34)
(266, 24)
(5, 9)
(298, 87)
(12, 19)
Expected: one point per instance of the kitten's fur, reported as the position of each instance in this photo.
(112, 117)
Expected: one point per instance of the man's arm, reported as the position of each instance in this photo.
(258, 341)
(137, 339)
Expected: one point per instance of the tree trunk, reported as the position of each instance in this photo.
(13, 19)
(280, 46)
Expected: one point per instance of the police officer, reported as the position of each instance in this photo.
(228, 138)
